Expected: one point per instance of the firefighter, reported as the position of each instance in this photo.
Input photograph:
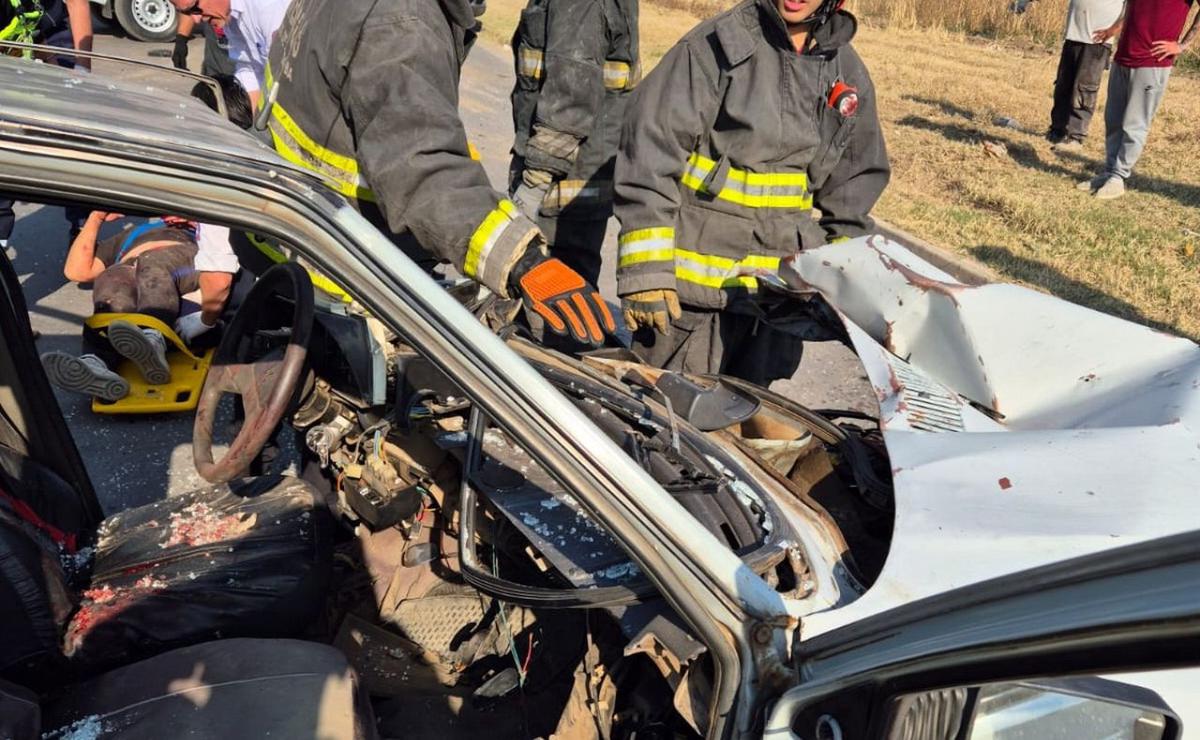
(576, 64)
(753, 119)
(365, 92)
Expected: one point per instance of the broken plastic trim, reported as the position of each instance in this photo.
(534, 597)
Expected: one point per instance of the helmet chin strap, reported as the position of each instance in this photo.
(819, 17)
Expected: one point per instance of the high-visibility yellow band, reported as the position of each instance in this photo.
(21, 28)
(318, 280)
(529, 62)
(654, 255)
(713, 271)
(486, 235)
(655, 232)
(617, 75)
(532, 63)
(656, 244)
(751, 189)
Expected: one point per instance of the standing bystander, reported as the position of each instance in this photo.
(1150, 43)
(249, 26)
(1081, 66)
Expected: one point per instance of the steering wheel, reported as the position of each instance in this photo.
(266, 384)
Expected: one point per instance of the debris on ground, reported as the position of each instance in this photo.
(995, 149)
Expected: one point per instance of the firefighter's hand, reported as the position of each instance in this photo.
(180, 54)
(566, 302)
(651, 308)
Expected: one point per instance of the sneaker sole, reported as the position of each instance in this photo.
(73, 374)
(131, 343)
(1108, 196)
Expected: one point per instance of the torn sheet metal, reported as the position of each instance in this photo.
(1040, 362)
(1022, 429)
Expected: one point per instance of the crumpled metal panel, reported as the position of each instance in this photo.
(1078, 429)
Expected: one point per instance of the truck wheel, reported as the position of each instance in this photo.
(147, 20)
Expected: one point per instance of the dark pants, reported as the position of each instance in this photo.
(8, 219)
(1080, 69)
(704, 342)
(152, 284)
(573, 234)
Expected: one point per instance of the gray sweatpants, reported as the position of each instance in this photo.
(1133, 97)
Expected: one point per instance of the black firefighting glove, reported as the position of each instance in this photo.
(565, 301)
(180, 54)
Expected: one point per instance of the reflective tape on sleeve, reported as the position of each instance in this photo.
(618, 75)
(486, 235)
(642, 246)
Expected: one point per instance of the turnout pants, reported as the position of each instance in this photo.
(573, 235)
(1134, 94)
(707, 342)
(1080, 69)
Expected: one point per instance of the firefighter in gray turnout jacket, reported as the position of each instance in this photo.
(576, 64)
(365, 93)
(751, 120)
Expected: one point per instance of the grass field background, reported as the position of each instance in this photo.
(945, 72)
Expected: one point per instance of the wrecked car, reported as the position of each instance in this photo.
(485, 535)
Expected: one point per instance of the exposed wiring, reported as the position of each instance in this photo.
(512, 639)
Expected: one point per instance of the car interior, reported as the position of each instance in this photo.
(354, 549)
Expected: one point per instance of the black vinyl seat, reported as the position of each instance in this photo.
(250, 558)
(228, 689)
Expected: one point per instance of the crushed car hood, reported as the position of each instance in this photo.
(1022, 429)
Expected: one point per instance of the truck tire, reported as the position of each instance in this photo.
(147, 20)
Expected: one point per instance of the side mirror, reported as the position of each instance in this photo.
(1061, 709)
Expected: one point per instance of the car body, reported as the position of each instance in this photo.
(1038, 453)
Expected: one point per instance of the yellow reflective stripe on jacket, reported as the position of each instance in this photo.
(712, 271)
(646, 245)
(531, 63)
(751, 189)
(318, 280)
(299, 148)
(486, 235)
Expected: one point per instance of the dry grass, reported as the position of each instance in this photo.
(939, 93)
(1043, 22)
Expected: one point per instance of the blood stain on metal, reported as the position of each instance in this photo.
(1005, 484)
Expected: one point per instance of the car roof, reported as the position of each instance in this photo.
(53, 100)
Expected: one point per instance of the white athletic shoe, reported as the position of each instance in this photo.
(145, 348)
(1113, 187)
(84, 374)
(1093, 184)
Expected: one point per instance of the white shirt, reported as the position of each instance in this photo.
(1085, 17)
(213, 251)
(251, 26)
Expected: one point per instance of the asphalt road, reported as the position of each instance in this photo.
(137, 460)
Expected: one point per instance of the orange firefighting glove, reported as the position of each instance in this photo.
(564, 300)
(651, 308)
